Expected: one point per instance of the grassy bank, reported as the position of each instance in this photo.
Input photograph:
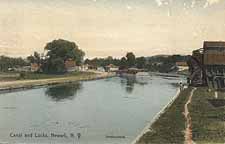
(170, 125)
(8, 76)
(35, 76)
(208, 122)
(12, 76)
(34, 81)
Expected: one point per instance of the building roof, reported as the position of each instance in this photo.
(111, 66)
(70, 63)
(214, 44)
(181, 63)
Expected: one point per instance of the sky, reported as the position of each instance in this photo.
(104, 28)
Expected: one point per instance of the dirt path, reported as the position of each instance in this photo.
(188, 130)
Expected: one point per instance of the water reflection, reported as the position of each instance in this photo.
(62, 92)
(129, 82)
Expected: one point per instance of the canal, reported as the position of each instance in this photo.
(106, 111)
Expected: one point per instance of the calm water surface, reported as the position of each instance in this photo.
(95, 109)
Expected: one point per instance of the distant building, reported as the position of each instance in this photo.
(70, 65)
(111, 68)
(101, 69)
(182, 66)
(11, 69)
(23, 69)
(92, 67)
(34, 67)
(84, 67)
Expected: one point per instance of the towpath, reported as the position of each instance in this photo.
(188, 130)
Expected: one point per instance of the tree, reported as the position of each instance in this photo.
(123, 63)
(109, 60)
(31, 59)
(36, 58)
(102, 62)
(58, 51)
(54, 66)
(140, 62)
(130, 59)
(9, 62)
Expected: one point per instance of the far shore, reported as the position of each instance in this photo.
(7, 86)
(36, 80)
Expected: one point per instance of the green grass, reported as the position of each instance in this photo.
(8, 76)
(208, 122)
(35, 76)
(170, 125)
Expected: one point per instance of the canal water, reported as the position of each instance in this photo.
(107, 111)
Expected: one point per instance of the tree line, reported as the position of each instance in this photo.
(8, 62)
(128, 61)
(160, 63)
(58, 51)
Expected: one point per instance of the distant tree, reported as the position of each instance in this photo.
(109, 60)
(103, 61)
(58, 51)
(130, 59)
(123, 63)
(35, 58)
(140, 62)
(164, 63)
(9, 62)
(54, 66)
(31, 59)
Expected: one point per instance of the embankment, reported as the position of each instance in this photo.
(196, 116)
(27, 84)
(169, 125)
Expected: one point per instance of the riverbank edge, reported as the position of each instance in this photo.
(156, 117)
(30, 84)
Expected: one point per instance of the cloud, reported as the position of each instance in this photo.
(193, 4)
(211, 2)
(163, 2)
(159, 2)
(129, 7)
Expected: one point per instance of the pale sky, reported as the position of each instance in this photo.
(111, 27)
